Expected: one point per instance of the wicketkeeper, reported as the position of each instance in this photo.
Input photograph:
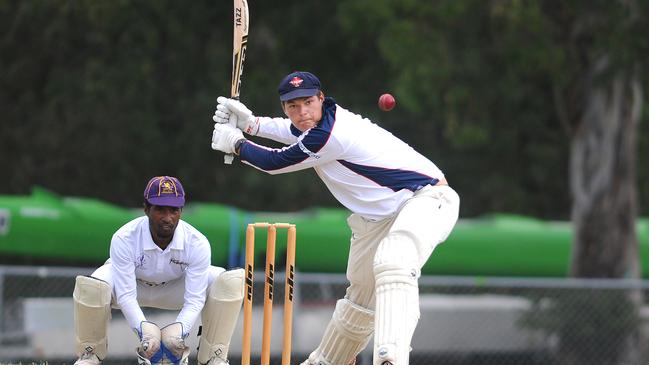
(401, 202)
(160, 261)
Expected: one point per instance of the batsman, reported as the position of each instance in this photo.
(402, 208)
(160, 261)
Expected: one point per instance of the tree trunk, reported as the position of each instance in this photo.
(602, 177)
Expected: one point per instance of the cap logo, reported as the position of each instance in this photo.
(167, 188)
(296, 81)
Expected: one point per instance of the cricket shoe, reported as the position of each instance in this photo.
(88, 359)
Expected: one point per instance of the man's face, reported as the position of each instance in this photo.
(163, 221)
(304, 113)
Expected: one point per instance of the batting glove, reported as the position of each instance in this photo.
(225, 137)
(229, 107)
(222, 114)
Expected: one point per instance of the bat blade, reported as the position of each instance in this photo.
(239, 45)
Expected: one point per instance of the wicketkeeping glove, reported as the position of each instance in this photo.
(173, 342)
(245, 120)
(224, 137)
(149, 348)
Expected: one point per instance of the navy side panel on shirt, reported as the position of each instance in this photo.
(391, 178)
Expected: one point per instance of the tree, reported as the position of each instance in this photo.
(600, 106)
(574, 65)
(455, 61)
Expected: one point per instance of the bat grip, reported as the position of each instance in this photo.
(228, 158)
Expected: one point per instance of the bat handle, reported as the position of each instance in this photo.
(228, 158)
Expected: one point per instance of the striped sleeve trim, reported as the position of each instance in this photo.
(269, 159)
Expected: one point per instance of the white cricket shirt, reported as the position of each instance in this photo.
(134, 256)
(366, 168)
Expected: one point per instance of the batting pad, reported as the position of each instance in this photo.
(91, 314)
(397, 298)
(220, 314)
(347, 334)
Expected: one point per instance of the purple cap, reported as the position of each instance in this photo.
(298, 84)
(166, 191)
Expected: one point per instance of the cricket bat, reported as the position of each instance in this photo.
(239, 44)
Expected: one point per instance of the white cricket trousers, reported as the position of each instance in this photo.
(429, 216)
(168, 296)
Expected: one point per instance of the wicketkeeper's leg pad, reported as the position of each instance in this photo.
(91, 314)
(396, 270)
(347, 334)
(220, 314)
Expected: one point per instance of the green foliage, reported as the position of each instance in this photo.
(97, 96)
(495, 78)
(464, 67)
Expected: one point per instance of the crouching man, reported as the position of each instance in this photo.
(160, 261)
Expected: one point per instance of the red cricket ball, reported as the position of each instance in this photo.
(387, 102)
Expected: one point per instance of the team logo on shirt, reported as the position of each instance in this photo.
(183, 265)
(139, 262)
(306, 150)
(296, 81)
